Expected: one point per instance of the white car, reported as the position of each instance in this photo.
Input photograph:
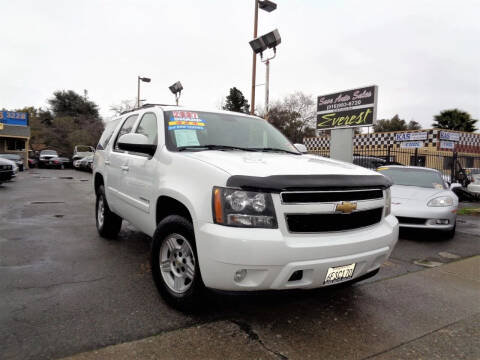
(14, 166)
(232, 205)
(474, 178)
(421, 198)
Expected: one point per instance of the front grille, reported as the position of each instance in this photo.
(312, 223)
(330, 196)
(411, 220)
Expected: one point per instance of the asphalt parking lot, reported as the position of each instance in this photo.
(64, 290)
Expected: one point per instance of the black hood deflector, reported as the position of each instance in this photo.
(279, 183)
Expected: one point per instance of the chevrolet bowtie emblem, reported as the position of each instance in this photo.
(346, 207)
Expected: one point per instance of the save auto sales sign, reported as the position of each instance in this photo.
(350, 108)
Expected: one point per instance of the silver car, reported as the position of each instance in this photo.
(421, 198)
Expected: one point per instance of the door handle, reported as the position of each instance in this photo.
(124, 167)
(107, 162)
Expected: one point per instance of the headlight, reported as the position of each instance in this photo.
(233, 207)
(388, 202)
(441, 201)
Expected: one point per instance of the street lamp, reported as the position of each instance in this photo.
(270, 40)
(268, 6)
(176, 89)
(144, 79)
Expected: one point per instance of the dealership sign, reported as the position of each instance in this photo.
(351, 108)
(411, 136)
(411, 144)
(447, 145)
(14, 118)
(449, 136)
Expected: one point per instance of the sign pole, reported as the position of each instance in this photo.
(341, 144)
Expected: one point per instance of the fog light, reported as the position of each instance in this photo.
(240, 275)
(431, 222)
(442, 221)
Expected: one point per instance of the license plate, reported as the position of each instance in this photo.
(339, 273)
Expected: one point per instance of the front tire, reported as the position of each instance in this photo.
(108, 223)
(174, 262)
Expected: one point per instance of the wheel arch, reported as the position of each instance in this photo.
(98, 180)
(168, 205)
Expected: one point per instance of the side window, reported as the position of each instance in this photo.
(107, 134)
(148, 127)
(125, 129)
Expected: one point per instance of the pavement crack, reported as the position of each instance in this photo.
(58, 284)
(252, 335)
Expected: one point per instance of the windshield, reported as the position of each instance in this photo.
(193, 131)
(48, 152)
(10, 156)
(414, 177)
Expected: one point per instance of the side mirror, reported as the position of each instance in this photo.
(302, 148)
(137, 143)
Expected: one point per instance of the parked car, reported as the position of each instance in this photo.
(82, 151)
(57, 162)
(232, 205)
(368, 162)
(421, 198)
(84, 164)
(45, 156)
(6, 170)
(32, 162)
(16, 158)
(474, 180)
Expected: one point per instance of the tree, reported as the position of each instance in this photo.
(454, 120)
(72, 120)
(294, 116)
(124, 105)
(413, 125)
(395, 124)
(235, 101)
(69, 103)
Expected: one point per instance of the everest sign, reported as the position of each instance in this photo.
(350, 108)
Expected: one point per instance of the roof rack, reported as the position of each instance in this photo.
(143, 107)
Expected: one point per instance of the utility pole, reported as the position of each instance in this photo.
(254, 62)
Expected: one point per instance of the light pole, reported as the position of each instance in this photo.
(260, 44)
(144, 79)
(176, 89)
(268, 6)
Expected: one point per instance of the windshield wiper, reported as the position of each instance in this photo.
(276, 150)
(214, 147)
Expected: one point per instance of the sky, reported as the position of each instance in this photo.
(422, 54)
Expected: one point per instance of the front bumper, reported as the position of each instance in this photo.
(271, 256)
(429, 215)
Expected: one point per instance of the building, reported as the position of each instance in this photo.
(15, 133)
(434, 148)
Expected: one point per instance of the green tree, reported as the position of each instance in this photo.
(69, 103)
(235, 101)
(413, 125)
(395, 124)
(454, 120)
(72, 120)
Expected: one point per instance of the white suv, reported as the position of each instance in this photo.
(232, 205)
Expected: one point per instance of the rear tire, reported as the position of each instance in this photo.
(175, 266)
(108, 223)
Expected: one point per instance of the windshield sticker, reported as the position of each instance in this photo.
(186, 120)
(186, 138)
